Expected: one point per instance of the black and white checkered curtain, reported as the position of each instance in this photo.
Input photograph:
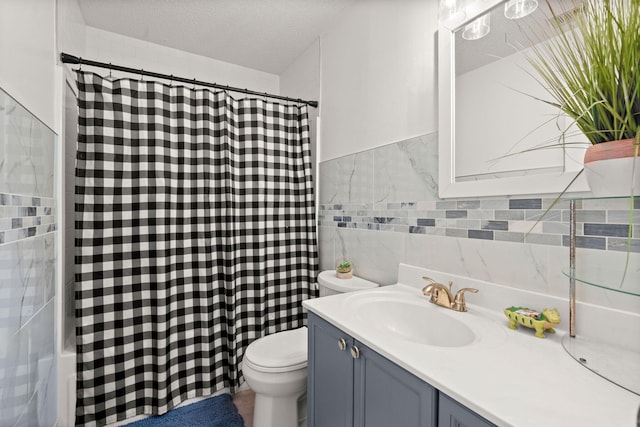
(195, 235)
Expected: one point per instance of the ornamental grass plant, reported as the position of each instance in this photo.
(587, 57)
(589, 62)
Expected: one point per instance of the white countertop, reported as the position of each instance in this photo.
(509, 377)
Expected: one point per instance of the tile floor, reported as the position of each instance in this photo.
(244, 401)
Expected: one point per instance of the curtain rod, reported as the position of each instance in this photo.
(70, 59)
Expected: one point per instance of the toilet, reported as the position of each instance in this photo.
(275, 366)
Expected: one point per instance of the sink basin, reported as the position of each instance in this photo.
(415, 322)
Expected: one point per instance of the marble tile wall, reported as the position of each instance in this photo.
(380, 207)
(27, 268)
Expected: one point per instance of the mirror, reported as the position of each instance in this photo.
(490, 122)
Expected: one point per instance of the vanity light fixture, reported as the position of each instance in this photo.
(477, 29)
(516, 9)
(452, 12)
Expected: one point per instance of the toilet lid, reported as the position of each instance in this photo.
(282, 351)
(329, 280)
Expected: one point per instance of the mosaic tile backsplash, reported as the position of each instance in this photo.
(394, 189)
(380, 207)
(510, 220)
(24, 216)
(27, 268)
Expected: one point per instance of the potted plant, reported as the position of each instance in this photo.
(591, 69)
(344, 270)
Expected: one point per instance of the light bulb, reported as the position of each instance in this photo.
(516, 9)
(477, 28)
(452, 12)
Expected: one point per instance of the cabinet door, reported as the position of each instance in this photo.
(453, 414)
(387, 395)
(330, 376)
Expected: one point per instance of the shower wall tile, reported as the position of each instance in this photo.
(507, 240)
(27, 268)
(16, 375)
(22, 217)
(27, 152)
(42, 356)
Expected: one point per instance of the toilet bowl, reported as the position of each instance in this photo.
(275, 366)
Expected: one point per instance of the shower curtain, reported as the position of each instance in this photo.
(195, 234)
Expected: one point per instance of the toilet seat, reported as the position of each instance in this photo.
(280, 352)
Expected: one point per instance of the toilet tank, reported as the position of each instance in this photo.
(329, 284)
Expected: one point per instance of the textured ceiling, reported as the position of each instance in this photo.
(266, 35)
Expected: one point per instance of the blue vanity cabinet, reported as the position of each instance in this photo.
(387, 395)
(453, 414)
(329, 375)
(352, 385)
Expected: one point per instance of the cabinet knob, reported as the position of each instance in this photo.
(342, 344)
(355, 352)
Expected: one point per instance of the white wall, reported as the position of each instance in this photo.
(108, 47)
(27, 49)
(378, 76)
(302, 78)
(71, 30)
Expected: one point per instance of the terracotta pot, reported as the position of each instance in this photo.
(608, 167)
(346, 275)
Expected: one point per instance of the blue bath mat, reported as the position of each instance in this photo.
(218, 411)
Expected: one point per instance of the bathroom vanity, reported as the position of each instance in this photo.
(352, 385)
(387, 357)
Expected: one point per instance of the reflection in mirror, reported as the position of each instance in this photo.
(493, 121)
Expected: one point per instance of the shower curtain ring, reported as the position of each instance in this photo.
(110, 76)
(171, 81)
(194, 84)
(141, 75)
(80, 61)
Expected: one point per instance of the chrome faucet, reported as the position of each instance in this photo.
(442, 296)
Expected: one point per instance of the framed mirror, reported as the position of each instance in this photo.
(492, 124)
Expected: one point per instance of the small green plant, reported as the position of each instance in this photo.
(344, 267)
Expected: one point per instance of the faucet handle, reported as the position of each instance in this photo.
(459, 302)
(428, 290)
(430, 280)
(434, 282)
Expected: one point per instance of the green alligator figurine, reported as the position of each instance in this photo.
(541, 322)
